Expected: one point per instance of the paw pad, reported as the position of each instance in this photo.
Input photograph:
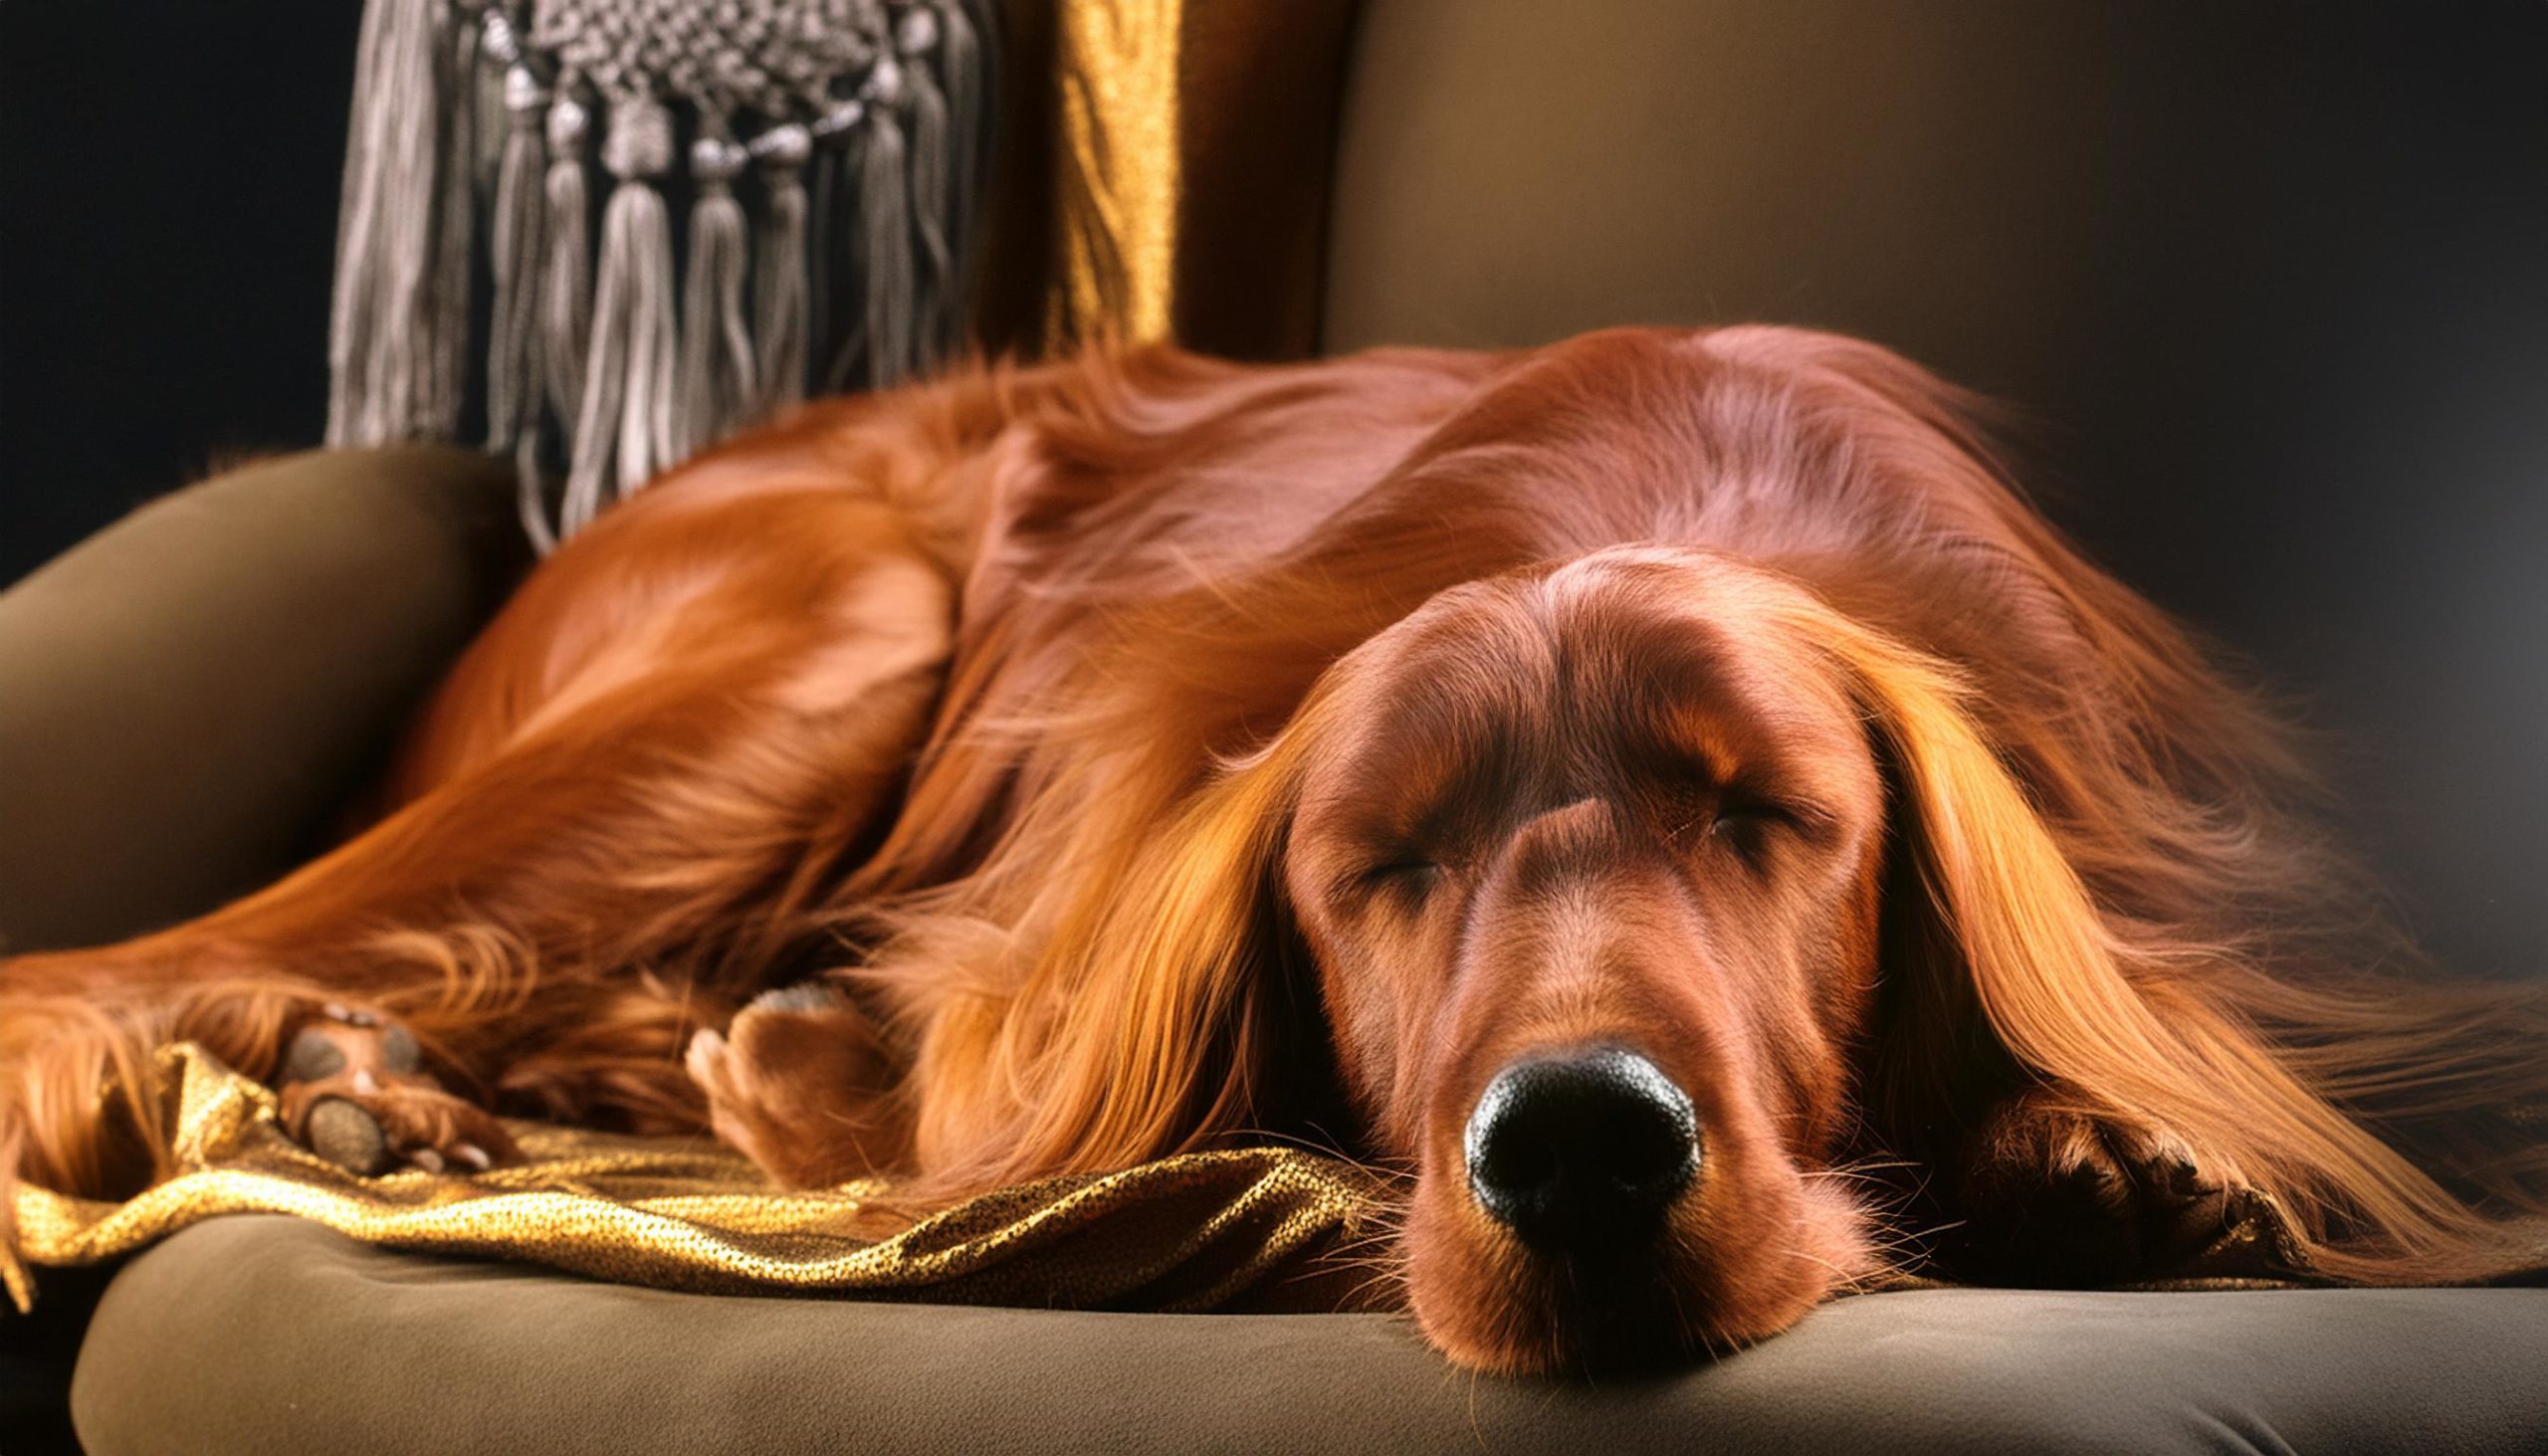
(354, 1092)
(347, 1135)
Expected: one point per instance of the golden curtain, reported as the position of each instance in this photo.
(1164, 174)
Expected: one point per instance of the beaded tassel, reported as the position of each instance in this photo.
(780, 270)
(624, 428)
(885, 213)
(720, 379)
(513, 352)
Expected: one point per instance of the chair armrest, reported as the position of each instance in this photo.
(188, 696)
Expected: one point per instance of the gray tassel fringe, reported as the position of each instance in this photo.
(819, 239)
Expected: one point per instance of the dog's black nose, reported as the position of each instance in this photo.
(1573, 1150)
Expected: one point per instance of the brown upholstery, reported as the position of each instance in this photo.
(191, 694)
(278, 1338)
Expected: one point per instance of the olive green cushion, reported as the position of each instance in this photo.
(187, 697)
(266, 1335)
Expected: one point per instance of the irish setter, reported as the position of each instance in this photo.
(1666, 793)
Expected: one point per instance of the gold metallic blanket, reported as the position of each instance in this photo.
(1249, 1229)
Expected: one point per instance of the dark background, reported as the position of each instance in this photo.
(167, 223)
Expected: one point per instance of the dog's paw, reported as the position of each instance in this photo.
(2057, 1196)
(354, 1091)
(801, 1083)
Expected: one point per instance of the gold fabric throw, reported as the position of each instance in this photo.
(1247, 1229)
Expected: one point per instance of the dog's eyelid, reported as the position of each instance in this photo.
(1741, 806)
(1407, 867)
(1745, 801)
(1408, 884)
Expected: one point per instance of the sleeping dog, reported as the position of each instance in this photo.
(1664, 793)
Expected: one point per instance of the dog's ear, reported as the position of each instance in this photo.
(1154, 1017)
(1996, 925)
(2008, 955)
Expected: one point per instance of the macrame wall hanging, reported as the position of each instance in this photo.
(652, 220)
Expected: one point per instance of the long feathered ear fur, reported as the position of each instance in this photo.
(2288, 1087)
(1144, 1020)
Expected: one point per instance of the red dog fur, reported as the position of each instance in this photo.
(1153, 753)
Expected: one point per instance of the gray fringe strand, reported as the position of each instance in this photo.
(718, 377)
(513, 350)
(885, 205)
(781, 301)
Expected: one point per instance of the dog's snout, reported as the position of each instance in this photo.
(1569, 1150)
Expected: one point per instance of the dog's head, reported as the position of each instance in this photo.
(1589, 861)
(1587, 864)
(1588, 869)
